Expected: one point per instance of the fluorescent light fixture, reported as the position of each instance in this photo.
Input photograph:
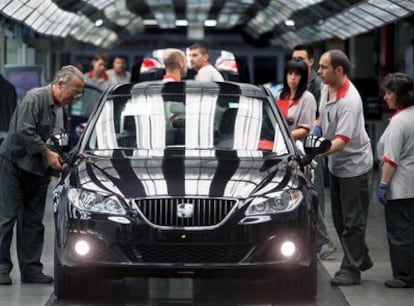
(210, 23)
(181, 23)
(290, 22)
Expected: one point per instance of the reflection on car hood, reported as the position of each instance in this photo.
(229, 174)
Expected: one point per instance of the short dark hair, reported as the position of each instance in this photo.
(340, 59)
(101, 56)
(402, 85)
(307, 48)
(199, 45)
(300, 68)
(122, 57)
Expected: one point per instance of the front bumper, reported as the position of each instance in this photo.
(121, 250)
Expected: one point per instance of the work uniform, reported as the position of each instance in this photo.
(299, 113)
(396, 146)
(104, 83)
(25, 178)
(342, 117)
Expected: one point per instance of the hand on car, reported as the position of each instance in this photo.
(55, 161)
(382, 193)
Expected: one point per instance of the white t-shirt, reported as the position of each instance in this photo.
(209, 73)
(119, 78)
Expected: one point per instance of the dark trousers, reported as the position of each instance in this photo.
(22, 199)
(399, 219)
(322, 236)
(350, 202)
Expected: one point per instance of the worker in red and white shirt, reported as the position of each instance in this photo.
(297, 104)
(350, 160)
(98, 76)
(396, 151)
(175, 65)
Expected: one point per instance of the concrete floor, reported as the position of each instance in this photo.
(162, 292)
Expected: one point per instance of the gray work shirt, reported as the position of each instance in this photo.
(342, 116)
(396, 145)
(302, 113)
(31, 125)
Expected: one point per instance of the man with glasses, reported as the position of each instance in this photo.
(26, 161)
(324, 244)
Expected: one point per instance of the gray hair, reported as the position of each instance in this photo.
(66, 74)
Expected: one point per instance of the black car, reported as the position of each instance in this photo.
(185, 179)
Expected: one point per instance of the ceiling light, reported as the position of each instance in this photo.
(210, 23)
(181, 23)
(98, 23)
(289, 22)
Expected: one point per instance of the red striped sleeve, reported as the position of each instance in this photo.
(344, 138)
(391, 162)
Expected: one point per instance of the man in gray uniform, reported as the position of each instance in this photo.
(324, 244)
(350, 160)
(25, 165)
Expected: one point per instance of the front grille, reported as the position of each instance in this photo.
(205, 212)
(195, 253)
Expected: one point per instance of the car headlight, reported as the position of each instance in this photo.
(273, 203)
(95, 202)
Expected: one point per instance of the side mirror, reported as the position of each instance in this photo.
(314, 145)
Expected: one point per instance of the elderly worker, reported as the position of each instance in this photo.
(25, 164)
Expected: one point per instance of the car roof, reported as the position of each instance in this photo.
(197, 87)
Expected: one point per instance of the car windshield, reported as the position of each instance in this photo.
(199, 121)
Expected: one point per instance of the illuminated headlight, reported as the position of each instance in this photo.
(95, 202)
(82, 247)
(273, 203)
(288, 248)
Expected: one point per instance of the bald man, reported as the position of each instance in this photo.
(175, 65)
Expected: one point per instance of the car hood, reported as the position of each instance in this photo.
(228, 174)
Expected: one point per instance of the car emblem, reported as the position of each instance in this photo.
(185, 210)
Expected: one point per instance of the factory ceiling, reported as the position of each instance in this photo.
(106, 23)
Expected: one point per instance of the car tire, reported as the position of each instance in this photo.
(67, 286)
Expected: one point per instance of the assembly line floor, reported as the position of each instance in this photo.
(226, 292)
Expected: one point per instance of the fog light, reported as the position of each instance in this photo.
(288, 248)
(82, 248)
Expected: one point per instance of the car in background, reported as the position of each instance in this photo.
(80, 110)
(186, 179)
(152, 66)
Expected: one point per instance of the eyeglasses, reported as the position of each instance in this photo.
(76, 93)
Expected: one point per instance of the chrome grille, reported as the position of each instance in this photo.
(206, 212)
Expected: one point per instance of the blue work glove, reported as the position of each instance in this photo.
(317, 130)
(382, 192)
